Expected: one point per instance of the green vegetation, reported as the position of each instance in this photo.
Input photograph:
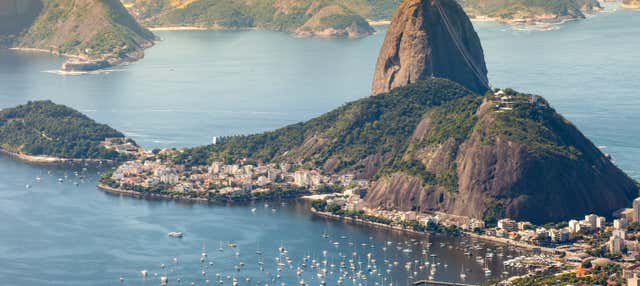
(166, 191)
(538, 126)
(511, 9)
(378, 132)
(373, 9)
(94, 29)
(379, 126)
(47, 129)
(610, 274)
(307, 15)
(452, 121)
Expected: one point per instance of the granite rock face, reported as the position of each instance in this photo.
(496, 170)
(430, 38)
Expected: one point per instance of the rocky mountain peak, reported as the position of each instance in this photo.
(430, 38)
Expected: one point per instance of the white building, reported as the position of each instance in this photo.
(561, 235)
(508, 224)
(620, 223)
(408, 216)
(633, 280)
(574, 226)
(601, 222)
(591, 220)
(302, 178)
(615, 244)
(619, 233)
(636, 210)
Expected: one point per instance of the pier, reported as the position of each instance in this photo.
(432, 282)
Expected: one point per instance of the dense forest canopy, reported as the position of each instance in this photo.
(47, 129)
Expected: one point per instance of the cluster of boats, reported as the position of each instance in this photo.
(339, 260)
(77, 178)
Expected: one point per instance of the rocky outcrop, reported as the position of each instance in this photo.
(529, 164)
(92, 32)
(430, 38)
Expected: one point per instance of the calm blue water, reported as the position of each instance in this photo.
(194, 85)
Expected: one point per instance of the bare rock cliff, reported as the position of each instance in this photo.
(528, 163)
(430, 38)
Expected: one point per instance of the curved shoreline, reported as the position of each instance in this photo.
(138, 195)
(485, 238)
(85, 64)
(360, 221)
(44, 51)
(46, 160)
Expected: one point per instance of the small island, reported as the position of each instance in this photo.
(527, 13)
(44, 132)
(92, 34)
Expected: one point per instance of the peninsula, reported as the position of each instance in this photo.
(44, 132)
(93, 34)
(319, 18)
(520, 12)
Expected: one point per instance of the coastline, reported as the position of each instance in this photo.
(77, 64)
(45, 51)
(138, 195)
(179, 28)
(47, 160)
(359, 221)
(485, 238)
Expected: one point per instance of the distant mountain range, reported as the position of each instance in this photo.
(530, 11)
(317, 17)
(326, 18)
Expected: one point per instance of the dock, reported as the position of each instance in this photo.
(432, 282)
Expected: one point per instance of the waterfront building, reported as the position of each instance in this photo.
(508, 225)
(302, 178)
(355, 205)
(341, 202)
(430, 220)
(601, 222)
(408, 216)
